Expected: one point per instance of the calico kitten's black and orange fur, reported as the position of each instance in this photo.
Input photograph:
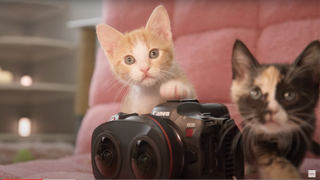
(277, 103)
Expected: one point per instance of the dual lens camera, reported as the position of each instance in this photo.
(179, 139)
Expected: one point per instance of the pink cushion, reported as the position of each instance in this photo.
(274, 12)
(206, 57)
(126, 15)
(94, 117)
(288, 40)
(195, 16)
(104, 85)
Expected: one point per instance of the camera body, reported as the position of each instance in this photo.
(179, 139)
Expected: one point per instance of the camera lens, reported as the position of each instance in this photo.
(144, 161)
(106, 156)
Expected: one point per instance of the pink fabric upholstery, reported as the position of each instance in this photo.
(204, 32)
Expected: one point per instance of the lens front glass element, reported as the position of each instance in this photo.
(106, 157)
(143, 160)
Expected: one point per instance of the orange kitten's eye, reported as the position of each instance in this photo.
(154, 53)
(129, 60)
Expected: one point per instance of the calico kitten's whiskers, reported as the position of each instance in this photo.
(304, 136)
(310, 103)
(250, 140)
(238, 136)
(300, 122)
(287, 140)
(291, 93)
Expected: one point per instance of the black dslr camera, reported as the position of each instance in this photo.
(179, 139)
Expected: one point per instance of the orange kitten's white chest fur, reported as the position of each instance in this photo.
(144, 60)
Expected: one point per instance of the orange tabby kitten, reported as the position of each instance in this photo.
(144, 59)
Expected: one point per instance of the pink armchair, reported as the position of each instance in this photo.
(204, 32)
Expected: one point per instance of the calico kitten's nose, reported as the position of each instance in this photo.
(271, 114)
(145, 70)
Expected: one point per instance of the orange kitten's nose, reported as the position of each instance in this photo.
(145, 70)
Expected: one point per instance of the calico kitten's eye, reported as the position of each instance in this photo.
(256, 94)
(154, 53)
(129, 60)
(290, 96)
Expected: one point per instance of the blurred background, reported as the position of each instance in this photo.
(47, 52)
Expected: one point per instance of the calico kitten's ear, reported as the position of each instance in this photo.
(309, 59)
(109, 38)
(159, 23)
(243, 62)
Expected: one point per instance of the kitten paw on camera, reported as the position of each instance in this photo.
(174, 89)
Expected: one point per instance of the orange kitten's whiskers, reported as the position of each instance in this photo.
(114, 85)
(119, 91)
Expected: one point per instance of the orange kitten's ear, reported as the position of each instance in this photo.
(109, 38)
(159, 23)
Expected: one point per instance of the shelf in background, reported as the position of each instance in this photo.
(23, 11)
(7, 137)
(33, 49)
(36, 93)
(84, 23)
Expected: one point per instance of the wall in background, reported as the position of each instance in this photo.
(55, 116)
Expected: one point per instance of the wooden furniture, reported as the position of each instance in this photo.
(86, 62)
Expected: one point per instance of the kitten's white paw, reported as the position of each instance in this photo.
(174, 89)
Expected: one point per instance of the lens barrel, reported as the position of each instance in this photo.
(145, 159)
(107, 155)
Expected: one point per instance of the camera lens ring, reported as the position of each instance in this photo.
(156, 153)
(176, 152)
(112, 153)
(180, 140)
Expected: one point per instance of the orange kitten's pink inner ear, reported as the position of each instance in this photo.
(109, 38)
(159, 23)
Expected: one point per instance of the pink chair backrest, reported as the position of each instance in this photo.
(204, 32)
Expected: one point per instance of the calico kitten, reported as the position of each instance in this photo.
(277, 103)
(144, 60)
